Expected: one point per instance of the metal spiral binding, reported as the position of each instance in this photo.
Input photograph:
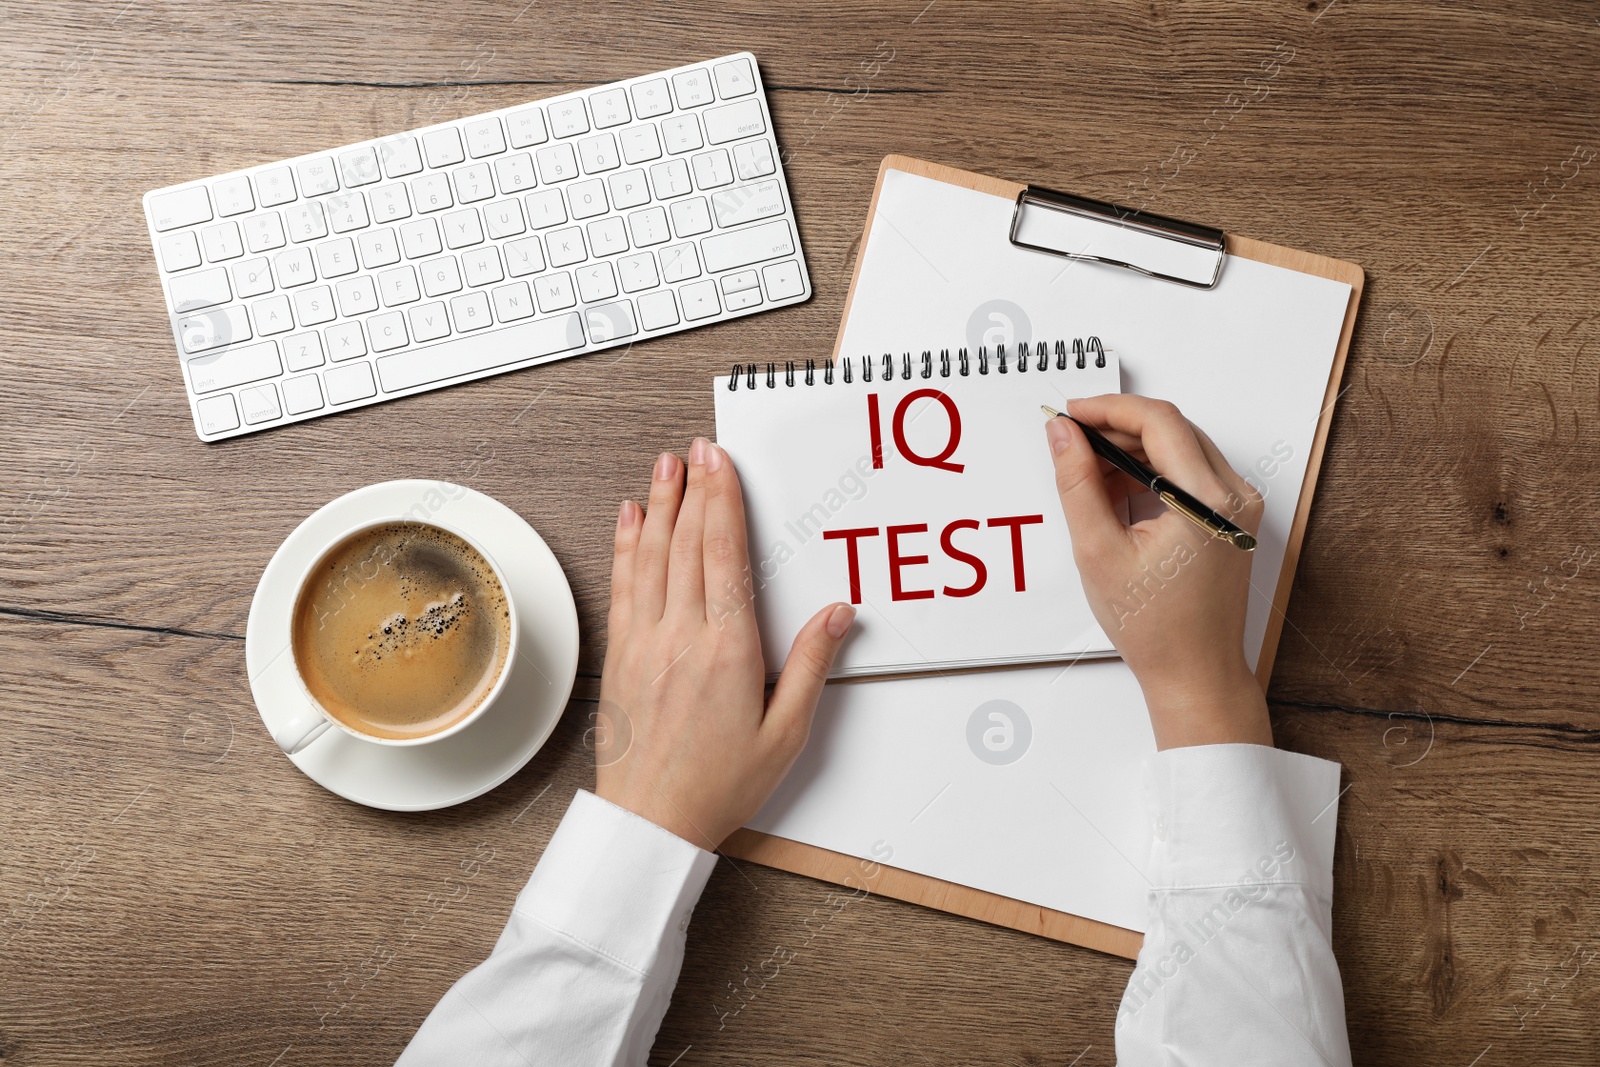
(788, 373)
(1041, 351)
(927, 364)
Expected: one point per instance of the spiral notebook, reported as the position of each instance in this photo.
(918, 487)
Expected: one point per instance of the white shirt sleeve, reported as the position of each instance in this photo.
(1237, 965)
(584, 970)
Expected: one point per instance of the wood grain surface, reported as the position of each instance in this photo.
(171, 891)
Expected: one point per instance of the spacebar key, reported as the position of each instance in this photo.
(480, 352)
(740, 248)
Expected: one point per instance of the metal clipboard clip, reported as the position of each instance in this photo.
(1076, 227)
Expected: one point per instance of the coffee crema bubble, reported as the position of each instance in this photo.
(401, 630)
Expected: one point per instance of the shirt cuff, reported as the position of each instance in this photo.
(617, 883)
(1227, 815)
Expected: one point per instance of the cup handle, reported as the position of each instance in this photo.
(300, 731)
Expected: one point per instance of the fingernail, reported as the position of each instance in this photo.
(714, 457)
(697, 452)
(625, 514)
(666, 466)
(1059, 435)
(839, 621)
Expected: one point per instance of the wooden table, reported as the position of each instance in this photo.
(173, 892)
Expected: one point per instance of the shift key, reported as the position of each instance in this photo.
(740, 248)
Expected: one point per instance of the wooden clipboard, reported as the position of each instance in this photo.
(859, 875)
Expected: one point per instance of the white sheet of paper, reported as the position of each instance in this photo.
(805, 458)
(1247, 361)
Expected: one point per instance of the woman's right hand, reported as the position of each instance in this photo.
(1171, 598)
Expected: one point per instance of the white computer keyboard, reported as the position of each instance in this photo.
(469, 248)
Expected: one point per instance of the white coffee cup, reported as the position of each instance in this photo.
(311, 720)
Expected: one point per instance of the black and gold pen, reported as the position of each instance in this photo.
(1183, 503)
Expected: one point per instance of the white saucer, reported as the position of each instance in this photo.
(505, 738)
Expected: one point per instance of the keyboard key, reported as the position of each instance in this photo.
(527, 127)
(336, 258)
(692, 88)
(420, 237)
(217, 414)
(699, 300)
(274, 186)
(359, 166)
(734, 78)
(348, 383)
(179, 251)
(596, 282)
(679, 262)
(588, 198)
(398, 286)
(463, 228)
(691, 217)
(545, 208)
(608, 322)
(712, 169)
(357, 296)
(658, 310)
(566, 247)
(431, 192)
(733, 121)
(213, 329)
(482, 266)
(753, 159)
(524, 257)
(306, 221)
(568, 118)
(628, 189)
(747, 203)
(554, 292)
(314, 306)
(303, 351)
(302, 394)
(746, 298)
(744, 279)
(640, 144)
(512, 302)
(649, 227)
(263, 232)
(317, 176)
(234, 366)
(440, 276)
(503, 218)
(429, 322)
(344, 342)
(390, 203)
(182, 208)
(556, 163)
(387, 331)
(470, 312)
(202, 289)
(346, 212)
(599, 153)
(272, 316)
(260, 404)
(681, 133)
(610, 108)
(473, 183)
(222, 241)
(400, 155)
(480, 352)
(515, 173)
(253, 277)
(783, 280)
(441, 148)
(638, 272)
(232, 196)
(484, 138)
(670, 179)
(740, 248)
(293, 267)
(379, 248)
(651, 98)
